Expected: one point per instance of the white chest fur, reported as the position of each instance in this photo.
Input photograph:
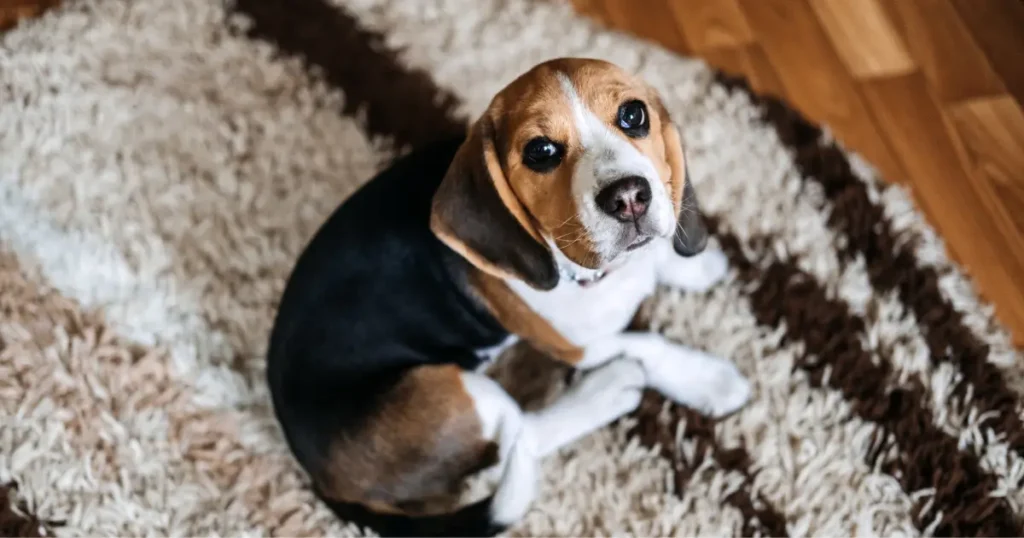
(583, 314)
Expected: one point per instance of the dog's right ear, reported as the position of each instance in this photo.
(691, 235)
(476, 213)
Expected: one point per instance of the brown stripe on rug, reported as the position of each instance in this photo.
(406, 105)
(892, 264)
(760, 517)
(16, 519)
(784, 296)
(399, 103)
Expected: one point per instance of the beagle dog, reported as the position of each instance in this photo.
(551, 221)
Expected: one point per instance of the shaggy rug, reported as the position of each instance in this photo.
(162, 163)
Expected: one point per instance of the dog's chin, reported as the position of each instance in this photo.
(623, 251)
(628, 242)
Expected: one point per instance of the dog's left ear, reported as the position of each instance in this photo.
(691, 233)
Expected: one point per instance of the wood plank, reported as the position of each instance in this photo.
(595, 10)
(953, 63)
(998, 28)
(654, 21)
(587, 8)
(762, 75)
(749, 61)
(729, 60)
(815, 79)
(7, 4)
(11, 15)
(709, 25)
(991, 133)
(13, 11)
(847, 23)
(974, 225)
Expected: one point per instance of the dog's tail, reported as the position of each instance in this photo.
(471, 520)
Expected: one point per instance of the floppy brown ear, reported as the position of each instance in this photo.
(476, 214)
(691, 233)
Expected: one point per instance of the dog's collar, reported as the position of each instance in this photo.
(584, 281)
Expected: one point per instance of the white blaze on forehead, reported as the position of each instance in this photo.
(612, 154)
(608, 156)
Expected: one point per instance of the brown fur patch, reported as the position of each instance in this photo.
(531, 106)
(411, 455)
(531, 377)
(517, 317)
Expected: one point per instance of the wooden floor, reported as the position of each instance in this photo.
(930, 91)
(11, 11)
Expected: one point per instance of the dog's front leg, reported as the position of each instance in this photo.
(688, 376)
(696, 273)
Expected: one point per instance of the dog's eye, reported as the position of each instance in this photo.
(633, 119)
(542, 155)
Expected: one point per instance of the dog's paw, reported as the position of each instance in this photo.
(729, 391)
(708, 384)
(614, 388)
(697, 273)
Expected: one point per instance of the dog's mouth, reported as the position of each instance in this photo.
(632, 239)
(636, 234)
(639, 242)
(593, 276)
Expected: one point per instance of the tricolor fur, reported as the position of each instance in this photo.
(551, 221)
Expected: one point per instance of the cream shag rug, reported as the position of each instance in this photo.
(162, 162)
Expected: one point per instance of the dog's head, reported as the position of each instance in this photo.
(575, 165)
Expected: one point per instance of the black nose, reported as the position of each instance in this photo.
(626, 199)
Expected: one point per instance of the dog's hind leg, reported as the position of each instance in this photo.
(505, 424)
(400, 468)
(601, 396)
